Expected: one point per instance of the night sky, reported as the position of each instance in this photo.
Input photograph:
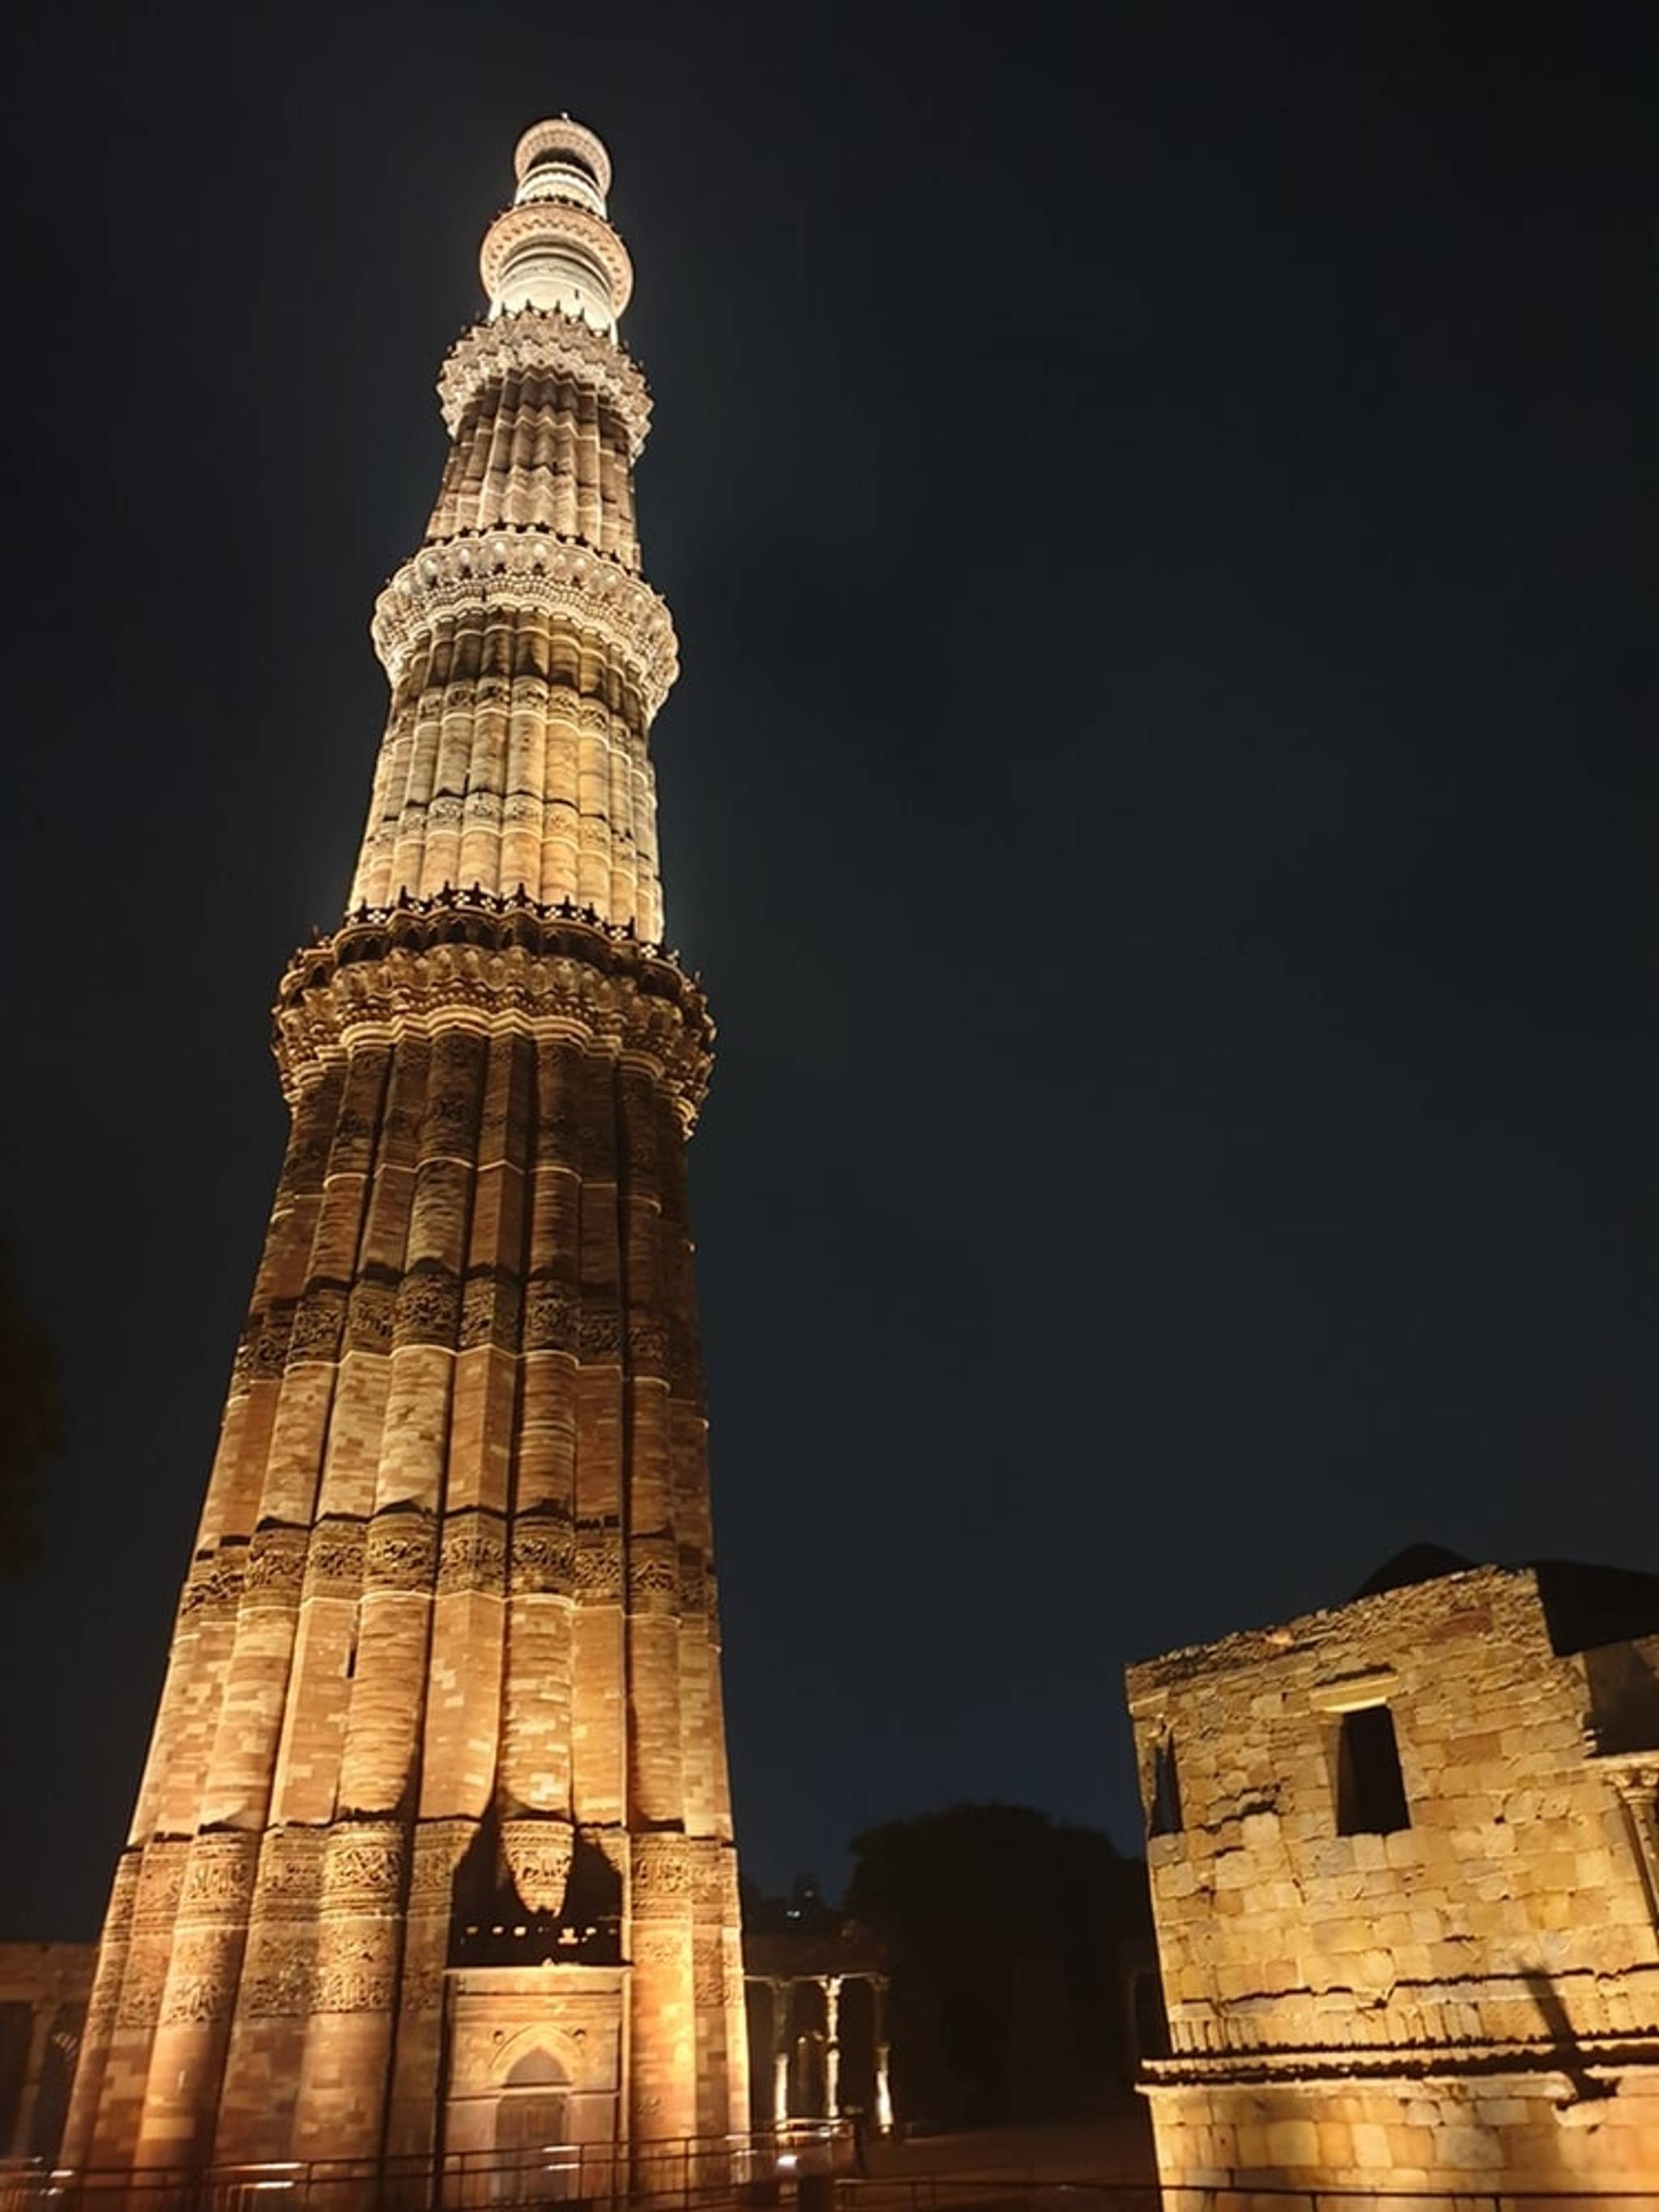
(1162, 793)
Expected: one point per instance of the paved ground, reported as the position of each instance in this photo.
(1117, 2148)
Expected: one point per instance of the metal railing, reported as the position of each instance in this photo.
(809, 2165)
(664, 2171)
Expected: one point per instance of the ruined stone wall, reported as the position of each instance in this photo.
(44, 1988)
(1473, 1994)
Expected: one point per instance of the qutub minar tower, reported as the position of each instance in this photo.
(433, 1846)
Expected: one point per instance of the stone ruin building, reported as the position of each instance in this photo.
(44, 1989)
(1405, 1866)
(433, 1849)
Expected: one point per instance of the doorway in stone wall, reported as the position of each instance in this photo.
(538, 2162)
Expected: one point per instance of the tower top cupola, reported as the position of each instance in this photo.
(553, 249)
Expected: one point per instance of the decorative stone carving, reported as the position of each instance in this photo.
(319, 1322)
(647, 1343)
(402, 1551)
(709, 1968)
(160, 1884)
(363, 1866)
(429, 1309)
(508, 964)
(270, 1348)
(598, 1566)
(542, 341)
(201, 1984)
(354, 1972)
(549, 1317)
(440, 1847)
(473, 1551)
(368, 1316)
(276, 1980)
(219, 1877)
(662, 1875)
(659, 1946)
(538, 1853)
(276, 1561)
(213, 1584)
(334, 1560)
(598, 1333)
(531, 568)
(544, 1554)
(653, 1574)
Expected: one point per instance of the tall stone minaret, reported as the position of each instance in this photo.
(434, 1844)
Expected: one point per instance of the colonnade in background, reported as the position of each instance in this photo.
(787, 2043)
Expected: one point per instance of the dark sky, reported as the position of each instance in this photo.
(1162, 793)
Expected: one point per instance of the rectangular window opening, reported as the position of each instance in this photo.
(1163, 1814)
(1371, 1790)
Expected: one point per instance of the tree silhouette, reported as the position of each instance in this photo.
(1005, 1930)
(31, 1422)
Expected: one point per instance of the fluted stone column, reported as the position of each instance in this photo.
(451, 1601)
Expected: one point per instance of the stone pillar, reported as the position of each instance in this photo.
(832, 2046)
(417, 2063)
(199, 1997)
(268, 2035)
(95, 2038)
(783, 2007)
(126, 2071)
(883, 2113)
(341, 2109)
(1637, 1781)
(663, 2068)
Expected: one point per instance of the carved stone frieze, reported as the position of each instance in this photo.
(598, 1565)
(660, 1946)
(402, 1550)
(160, 1884)
(693, 1592)
(529, 568)
(599, 1332)
(653, 1574)
(709, 1968)
(334, 1559)
(276, 1561)
(647, 1343)
(319, 1322)
(201, 1982)
(538, 1853)
(363, 1866)
(277, 1975)
(440, 1847)
(213, 1584)
(355, 1970)
(142, 1984)
(489, 1311)
(500, 965)
(270, 1346)
(429, 1309)
(544, 1554)
(472, 1554)
(662, 1875)
(715, 1880)
(368, 1316)
(219, 1877)
(550, 1317)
